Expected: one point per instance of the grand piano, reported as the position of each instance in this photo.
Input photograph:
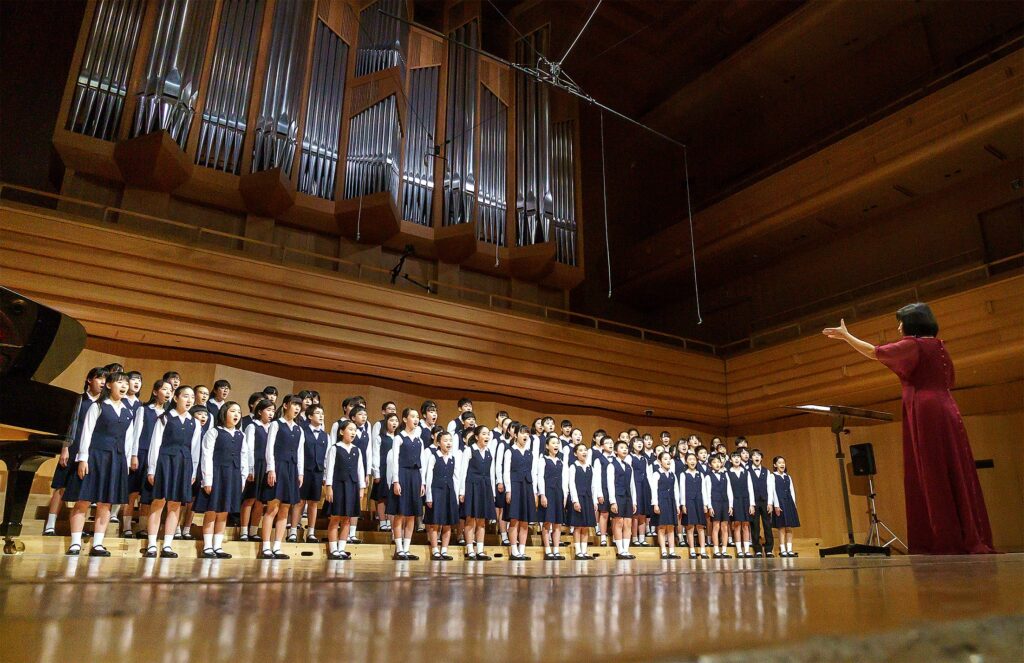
(36, 344)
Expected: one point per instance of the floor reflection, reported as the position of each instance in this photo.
(55, 608)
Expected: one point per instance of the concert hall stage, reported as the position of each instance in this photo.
(56, 608)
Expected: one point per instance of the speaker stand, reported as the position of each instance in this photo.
(850, 548)
(875, 533)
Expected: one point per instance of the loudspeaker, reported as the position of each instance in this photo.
(862, 458)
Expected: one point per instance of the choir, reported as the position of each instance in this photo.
(187, 448)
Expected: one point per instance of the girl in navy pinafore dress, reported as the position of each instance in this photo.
(786, 516)
(387, 502)
(641, 471)
(720, 507)
(141, 433)
(256, 442)
(742, 504)
(443, 483)
(479, 478)
(171, 467)
(582, 503)
(285, 464)
(101, 464)
(520, 491)
(345, 485)
(66, 465)
(405, 475)
(694, 494)
(664, 486)
(621, 498)
(225, 468)
(552, 489)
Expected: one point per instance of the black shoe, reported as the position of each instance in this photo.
(623, 556)
(50, 532)
(127, 534)
(559, 557)
(665, 556)
(168, 552)
(346, 555)
(208, 553)
(150, 552)
(482, 557)
(674, 556)
(354, 541)
(462, 542)
(335, 555)
(436, 557)
(471, 557)
(115, 520)
(266, 554)
(446, 557)
(188, 536)
(243, 537)
(177, 537)
(280, 555)
(412, 557)
(704, 556)
(292, 538)
(769, 554)
(506, 542)
(549, 557)
(694, 556)
(312, 539)
(74, 550)
(644, 544)
(142, 535)
(255, 537)
(219, 552)
(580, 557)
(398, 556)
(794, 554)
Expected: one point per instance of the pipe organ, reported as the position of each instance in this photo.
(338, 116)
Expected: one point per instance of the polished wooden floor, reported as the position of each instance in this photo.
(56, 608)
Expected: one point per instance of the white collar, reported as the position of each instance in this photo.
(316, 429)
(282, 420)
(228, 430)
(184, 417)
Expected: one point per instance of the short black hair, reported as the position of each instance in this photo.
(565, 422)
(221, 383)
(270, 390)
(171, 374)
(468, 414)
(918, 320)
(255, 397)
(465, 401)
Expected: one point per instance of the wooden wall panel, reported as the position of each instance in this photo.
(287, 315)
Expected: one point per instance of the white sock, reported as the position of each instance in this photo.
(218, 541)
(435, 551)
(579, 547)
(470, 547)
(294, 531)
(444, 550)
(625, 545)
(168, 538)
(351, 531)
(341, 545)
(97, 539)
(127, 523)
(276, 547)
(253, 530)
(789, 547)
(716, 549)
(177, 531)
(151, 540)
(76, 539)
(310, 531)
(584, 545)
(207, 541)
(479, 547)
(51, 521)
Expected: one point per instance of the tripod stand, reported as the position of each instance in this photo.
(877, 525)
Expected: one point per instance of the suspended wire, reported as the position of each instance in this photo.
(604, 196)
(693, 245)
(582, 30)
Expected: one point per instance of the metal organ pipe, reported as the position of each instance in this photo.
(493, 153)
(223, 126)
(418, 172)
(373, 151)
(460, 179)
(103, 75)
(277, 125)
(564, 206)
(534, 199)
(168, 96)
(319, 160)
(382, 39)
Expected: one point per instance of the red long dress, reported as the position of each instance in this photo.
(945, 507)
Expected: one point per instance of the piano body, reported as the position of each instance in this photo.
(36, 344)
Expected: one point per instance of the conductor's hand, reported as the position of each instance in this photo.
(657, 509)
(83, 468)
(839, 332)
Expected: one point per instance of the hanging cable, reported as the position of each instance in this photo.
(604, 196)
(693, 244)
(580, 34)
